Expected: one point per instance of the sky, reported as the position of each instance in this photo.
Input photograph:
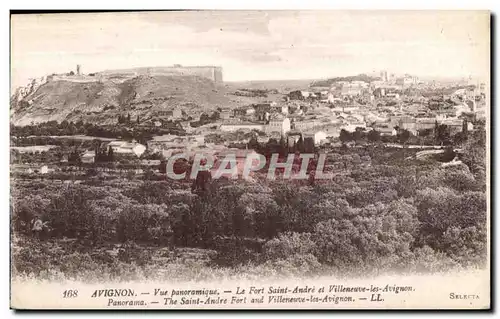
(255, 45)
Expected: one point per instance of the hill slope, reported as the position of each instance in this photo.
(96, 102)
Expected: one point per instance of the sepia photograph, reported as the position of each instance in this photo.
(274, 159)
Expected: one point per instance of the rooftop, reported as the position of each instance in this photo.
(240, 123)
(89, 154)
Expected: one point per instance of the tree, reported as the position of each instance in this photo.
(253, 143)
(345, 136)
(74, 157)
(204, 118)
(97, 143)
(289, 244)
(442, 208)
(309, 145)
(403, 136)
(137, 121)
(300, 144)
(163, 167)
(442, 134)
(283, 146)
(215, 116)
(128, 118)
(110, 154)
(358, 134)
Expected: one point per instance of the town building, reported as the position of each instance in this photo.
(240, 111)
(164, 142)
(407, 80)
(306, 94)
(279, 124)
(332, 98)
(263, 139)
(457, 125)
(225, 114)
(351, 91)
(186, 126)
(248, 126)
(383, 76)
(127, 148)
(404, 122)
(331, 130)
(385, 129)
(292, 138)
(426, 123)
(263, 116)
(345, 108)
(177, 114)
(240, 156)
(283, 109)
(393, 95)
(146, 162)
(304, 125)
(351, 127)
(354, 118)
(317, 137)
(445, 113)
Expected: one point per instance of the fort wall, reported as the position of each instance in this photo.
(73, 78)
(209, 72)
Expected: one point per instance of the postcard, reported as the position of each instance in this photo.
(250, 160)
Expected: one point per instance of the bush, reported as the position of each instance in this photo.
(406, 216)
(426, 260)
(363, 242)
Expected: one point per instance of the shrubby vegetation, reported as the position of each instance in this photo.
(391, 215)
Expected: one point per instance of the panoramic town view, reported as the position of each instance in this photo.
(187, 172)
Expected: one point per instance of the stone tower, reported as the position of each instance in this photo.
(78, 69)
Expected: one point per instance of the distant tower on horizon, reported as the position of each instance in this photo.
(78, 69)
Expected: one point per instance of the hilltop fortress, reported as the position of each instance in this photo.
(212, 73)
